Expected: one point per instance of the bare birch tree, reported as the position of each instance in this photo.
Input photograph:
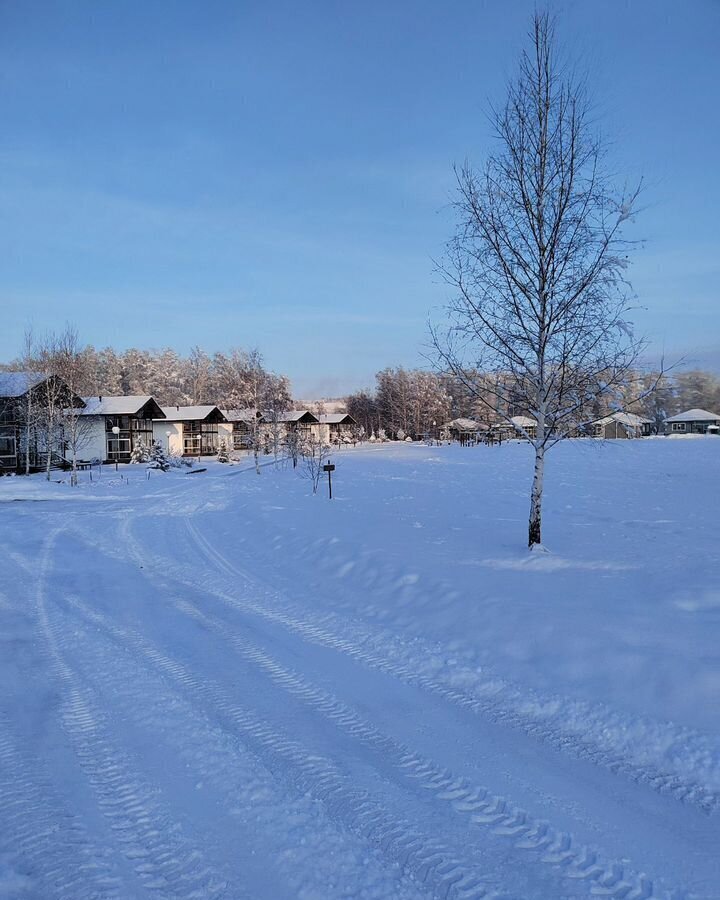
(70, 365)
(538, 262)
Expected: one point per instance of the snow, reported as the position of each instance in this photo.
(189, 413)
(128, 405)
(694, 415)
(224, 686)
(15, 384)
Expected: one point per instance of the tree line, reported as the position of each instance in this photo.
(417, 403)
(237, 379)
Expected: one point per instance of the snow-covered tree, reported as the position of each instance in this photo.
(159, 459)
(139, 453)
(222, 453)
(538, 261)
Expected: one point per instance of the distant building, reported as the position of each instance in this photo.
(190, 430)
(524, 425)
(337, 428)
(301, 421)
(464, 430)
(133, 418)
(621, 425)
(241, 427)
(693, 421)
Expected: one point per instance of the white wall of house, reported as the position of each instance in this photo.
(95, 447)
(160, 430)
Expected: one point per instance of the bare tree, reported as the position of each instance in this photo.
(538, 262)
(70, 365)
(52, 396)
(314, 453)
(31, 412)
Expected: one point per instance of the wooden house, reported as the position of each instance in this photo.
(337, 428)
(29, 430)
(464, 430)
(241, 428)
(301, 421)
(621, 425)
(190, 430)
(118, 425)
(693, 421)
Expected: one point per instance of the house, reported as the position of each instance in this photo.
(522, 426)
(240, 428)
(337, 428)
(301, 421)
(693, 421)
(466, 431)
(118, 425)
(621, 425)
(29, 428)
(190, 430)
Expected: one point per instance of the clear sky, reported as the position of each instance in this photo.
(277, 174)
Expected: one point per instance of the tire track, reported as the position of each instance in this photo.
(445, 871)
(50, 850)
(162, 858)
(477, 806)
(681, 789)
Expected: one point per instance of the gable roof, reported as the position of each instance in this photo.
(464, 424)
(694, 415)
(297, 415)
(15, 384)
(336, 419)
(523, 422)
(243, 415)
(130, 405)
(193, 413)
(624, 418)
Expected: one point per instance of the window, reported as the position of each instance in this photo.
(7, 445)
(678, 426)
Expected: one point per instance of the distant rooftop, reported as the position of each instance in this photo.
(694, 415)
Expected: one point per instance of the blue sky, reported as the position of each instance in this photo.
(278, 174)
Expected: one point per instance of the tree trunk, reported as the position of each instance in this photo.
(48, 451)
(535, 525)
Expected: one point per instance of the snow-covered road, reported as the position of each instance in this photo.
(183, 718)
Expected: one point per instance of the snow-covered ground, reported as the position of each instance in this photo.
(218, 685)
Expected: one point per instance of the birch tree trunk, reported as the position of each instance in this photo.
(535, 525)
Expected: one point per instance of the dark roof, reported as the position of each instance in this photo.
(204, 413)
(299, 416)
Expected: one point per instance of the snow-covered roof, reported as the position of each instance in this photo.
(623, 418)
(295, 415)
(523, 422)
(129, 405)
(191, 413)
(242, 415)
(336, 419)
(694, 415)
(15, 384)
(462, 424)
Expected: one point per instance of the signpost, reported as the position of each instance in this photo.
(329, 468)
